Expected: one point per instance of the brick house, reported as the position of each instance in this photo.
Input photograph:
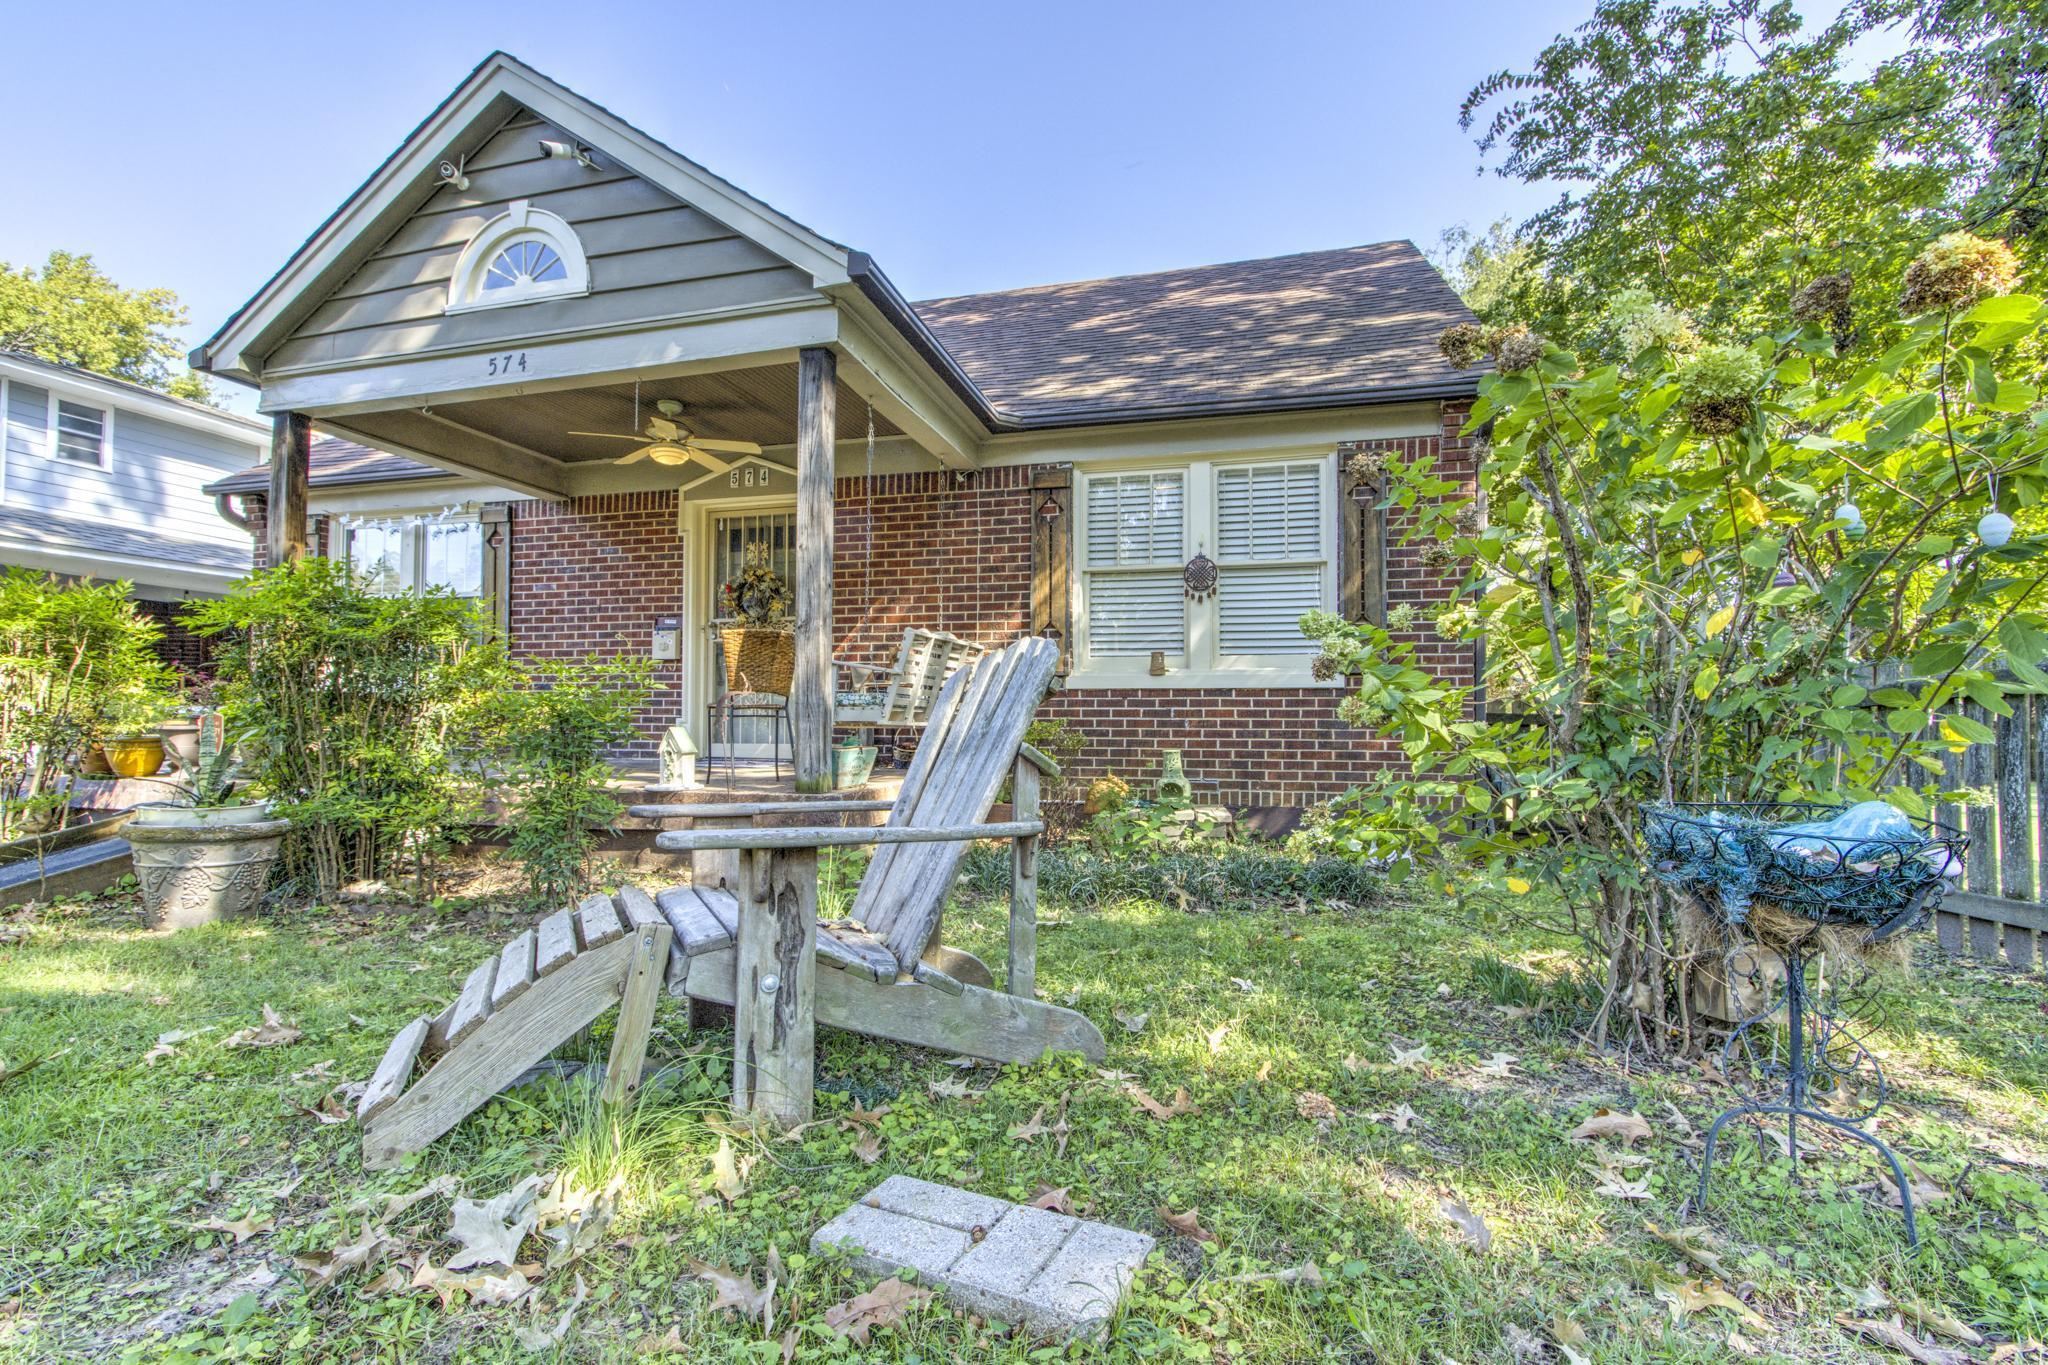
(489, 334)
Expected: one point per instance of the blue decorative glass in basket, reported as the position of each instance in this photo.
(1867, 864)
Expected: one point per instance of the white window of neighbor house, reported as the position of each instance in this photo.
(1266, 524)
(1135, 551)
(80, 433)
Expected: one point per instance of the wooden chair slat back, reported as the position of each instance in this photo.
(967, 751)
(925, 663)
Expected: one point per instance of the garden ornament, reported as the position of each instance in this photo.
(1173, 778)
(1850, 513)
(1994, 529)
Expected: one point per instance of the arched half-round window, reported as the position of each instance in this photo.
(523, 255)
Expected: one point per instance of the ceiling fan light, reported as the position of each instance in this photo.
(664, 453)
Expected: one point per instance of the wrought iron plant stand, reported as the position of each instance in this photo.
(1746, 862)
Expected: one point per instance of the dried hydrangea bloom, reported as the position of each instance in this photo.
(1367, 465)
(1438, 555)
(1517, 348)
(1718, 416)
(1323, 669)
(1463, 344)
(1957, 270)
(1468, 519)
(1825, 302)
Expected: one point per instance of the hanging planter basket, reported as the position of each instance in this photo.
(1753, 863)
(758, 659)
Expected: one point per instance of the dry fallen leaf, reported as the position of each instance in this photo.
(1691, 1244)
(1939, 1321)
(1305, 1273)
(483, 1287)
(1500, 1066)
(395, 1204)
(1031, 1128)
(1411, 1058)
(1242, 984)
(1470, 1225)
(882, 1306)
(1571, 1340)
(1354, 1063)
(1696, 1296)
(548, 1338)
(1894, 1333)
(862, 1118)
(737, 1292)
(1616, 1186)
(1216, 1037)
(1186, 1224)
(1612, 1123)
(1401, 1119)
(573, 1218)
(166, 1044)
(728, 1174)
(1053, 1200)
(1133, 1023)
(272, 1032)
(1174, 1109)
(1313, 1104)
(953, 1088)
(328, 1110)
(323, 1268)
(869, 1148)
(491, 1230)
(241, 1229)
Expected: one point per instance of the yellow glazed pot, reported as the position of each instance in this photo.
(135, 755)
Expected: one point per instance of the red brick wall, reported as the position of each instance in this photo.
(177, 646)
(590, 576)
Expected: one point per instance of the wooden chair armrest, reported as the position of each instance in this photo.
(744, 810)
(691, 840)
(864, 668)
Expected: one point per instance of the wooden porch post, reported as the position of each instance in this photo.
(810, 702)
(291, 453)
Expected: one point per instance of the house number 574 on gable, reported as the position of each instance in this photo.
(507, 363)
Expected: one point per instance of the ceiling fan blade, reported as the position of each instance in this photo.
(605, 435)
(697, 452)
(639, 454)
(726, 447)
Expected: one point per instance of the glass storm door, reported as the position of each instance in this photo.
(732, 540)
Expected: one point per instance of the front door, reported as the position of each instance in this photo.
(733, 539)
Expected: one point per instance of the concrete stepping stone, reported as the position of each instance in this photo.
(1057, 1276)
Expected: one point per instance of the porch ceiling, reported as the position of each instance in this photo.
(757, 404)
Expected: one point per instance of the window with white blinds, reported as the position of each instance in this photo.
(1270, 556)
(1265, 525)
(1137, 535)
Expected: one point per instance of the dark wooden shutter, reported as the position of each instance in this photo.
(497, 522)
(1361, 543)
(1052, 557)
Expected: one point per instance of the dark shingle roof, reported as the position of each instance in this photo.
(1320, 329)
(336, 462)
(72, 535)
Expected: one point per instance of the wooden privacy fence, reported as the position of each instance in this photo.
(1999, 911)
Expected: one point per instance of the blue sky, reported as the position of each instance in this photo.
(967, 146)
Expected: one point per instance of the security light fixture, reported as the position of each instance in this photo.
(568, 151)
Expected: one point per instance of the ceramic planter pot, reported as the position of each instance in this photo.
(214, 864)
(95, 764)
(181, 742)
(159, 814)
(134, 755)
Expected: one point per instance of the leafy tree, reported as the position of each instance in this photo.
(1502, 277)
(1711, 572)
(1720, 153)
(357, 713)
(552, 737)
(71, 313)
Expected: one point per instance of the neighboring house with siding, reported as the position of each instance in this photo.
(100, 478)
(1045, 460)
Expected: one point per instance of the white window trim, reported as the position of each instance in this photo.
(466, 293)
(6, 410)
(101, 406)
(1201, 666)
(412, 525)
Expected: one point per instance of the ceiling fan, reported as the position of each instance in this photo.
(668, 442)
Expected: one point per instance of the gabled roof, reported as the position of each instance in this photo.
(1319, 329)
(335, 463)
(139, 396)
(405, 180)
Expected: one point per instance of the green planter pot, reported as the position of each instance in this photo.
(204, 869)
(851, 764)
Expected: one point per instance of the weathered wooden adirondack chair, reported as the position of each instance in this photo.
(757, 944)
(903, 692)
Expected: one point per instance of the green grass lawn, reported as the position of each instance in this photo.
(1307, 1143)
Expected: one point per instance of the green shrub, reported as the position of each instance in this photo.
(77, 665)
(1194, 876)
(356, 710)
(552, 740)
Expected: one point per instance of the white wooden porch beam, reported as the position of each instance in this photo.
(902, 389)
(810, 702)
(447, 445)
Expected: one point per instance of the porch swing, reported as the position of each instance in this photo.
(900, 693)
